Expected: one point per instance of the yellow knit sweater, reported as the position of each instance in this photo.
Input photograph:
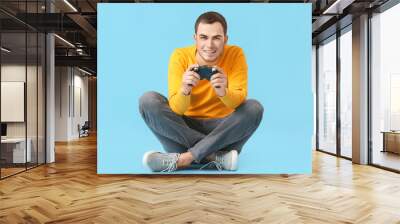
(203, 102)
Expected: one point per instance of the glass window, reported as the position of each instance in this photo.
(385, 83)
(327, 96)
(346, 93)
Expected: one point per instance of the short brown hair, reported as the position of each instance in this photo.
(210, 18)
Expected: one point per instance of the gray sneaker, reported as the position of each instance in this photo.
(161, 162)
(223, 160)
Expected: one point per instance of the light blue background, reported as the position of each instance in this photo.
(134, 45)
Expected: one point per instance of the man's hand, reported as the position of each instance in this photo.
(219, 82)
(190, 79)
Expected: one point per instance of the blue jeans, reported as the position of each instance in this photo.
(201, 137)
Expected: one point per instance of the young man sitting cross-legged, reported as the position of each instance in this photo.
(202, 120)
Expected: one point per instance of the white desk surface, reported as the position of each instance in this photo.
(13, 140)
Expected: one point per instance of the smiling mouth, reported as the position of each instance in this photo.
(210, 52)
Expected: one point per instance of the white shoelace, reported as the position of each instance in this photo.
(172, 164)
(216, 163)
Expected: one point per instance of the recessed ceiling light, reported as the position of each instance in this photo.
(70, 5)
(338, 6)
(64, 40)
(5, 50)
(84, 71)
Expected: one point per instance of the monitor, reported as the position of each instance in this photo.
(3, 129)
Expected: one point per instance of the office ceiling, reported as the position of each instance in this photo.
(77, 22)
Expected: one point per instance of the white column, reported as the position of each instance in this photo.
(50, 91)
(360, 90)
(50, 110)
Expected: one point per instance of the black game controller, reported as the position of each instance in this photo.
(205, 72)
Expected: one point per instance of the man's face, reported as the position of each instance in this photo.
(210, 41)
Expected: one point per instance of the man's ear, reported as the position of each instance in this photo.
(226, 39)
(194, 36)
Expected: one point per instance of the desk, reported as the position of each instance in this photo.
(391, 141)
(13, 150)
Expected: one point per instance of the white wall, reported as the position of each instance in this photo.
(34, 125)
(71, 87)
(15, 72)
(385, 67)
(61, 103)
(12, 73)
(81, 84)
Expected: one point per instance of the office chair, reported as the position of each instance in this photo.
(84, 130)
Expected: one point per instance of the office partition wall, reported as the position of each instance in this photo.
(22, 108)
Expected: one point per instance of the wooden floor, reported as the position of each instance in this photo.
(70, 191)
(387, 159)
(5, 172)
